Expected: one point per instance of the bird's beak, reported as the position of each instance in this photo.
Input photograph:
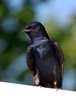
(26, 30)
(29, 30)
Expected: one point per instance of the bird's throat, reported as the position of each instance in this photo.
(39, 42)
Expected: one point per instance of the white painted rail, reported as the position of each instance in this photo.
(10, 91)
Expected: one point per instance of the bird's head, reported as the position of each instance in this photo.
(35, 30)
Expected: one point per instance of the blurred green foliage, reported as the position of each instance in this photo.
(13, 42)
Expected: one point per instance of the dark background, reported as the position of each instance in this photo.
(60, 22)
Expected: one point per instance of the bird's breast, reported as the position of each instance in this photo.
(44, 59)
(42, 50)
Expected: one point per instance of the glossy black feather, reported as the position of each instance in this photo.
(44, 58)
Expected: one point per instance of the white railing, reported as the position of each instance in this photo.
(10, 91)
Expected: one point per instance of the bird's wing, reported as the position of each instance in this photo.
(30, 60)
(32, 66)
(59, 54)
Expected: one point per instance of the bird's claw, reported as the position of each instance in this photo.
(36, 79)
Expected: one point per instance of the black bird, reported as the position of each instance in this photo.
(44, 57)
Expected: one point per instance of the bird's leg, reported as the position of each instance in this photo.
(36, 78)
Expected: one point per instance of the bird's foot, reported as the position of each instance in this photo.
(36, 79)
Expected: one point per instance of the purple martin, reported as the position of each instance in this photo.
(44, 57)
